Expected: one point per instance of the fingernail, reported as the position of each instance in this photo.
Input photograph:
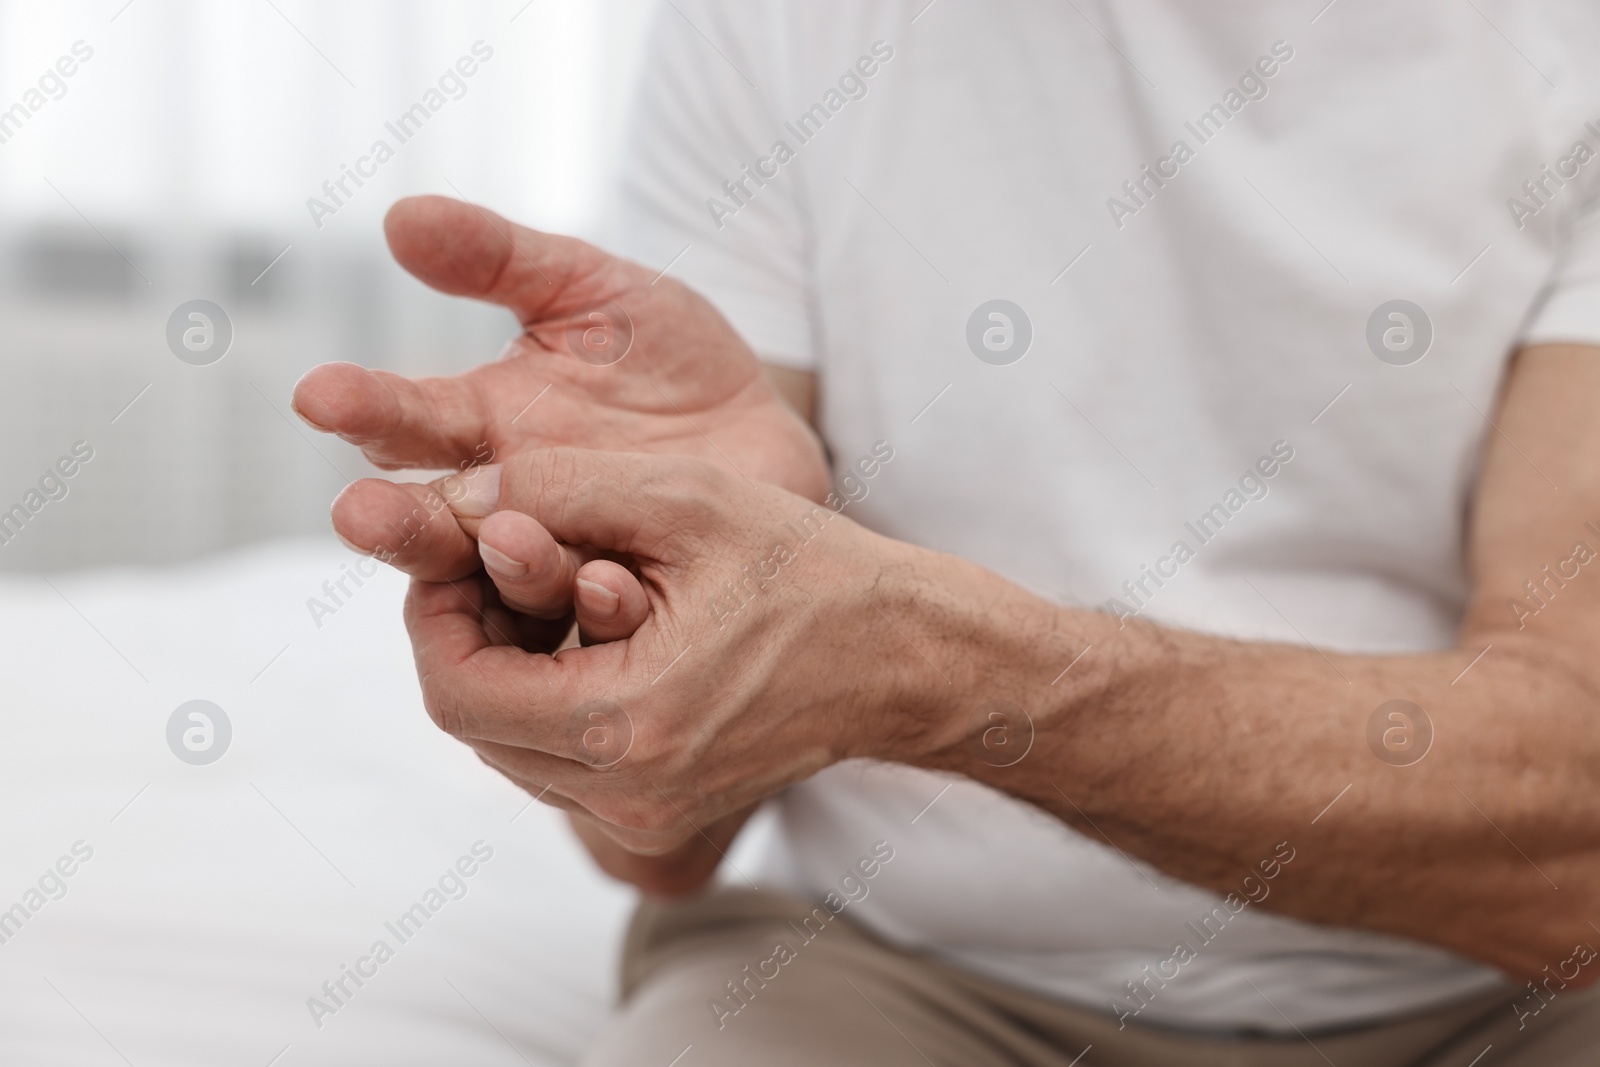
(351, 545)
(381, 554)
(307, 419)
(480, 494)
(500, 563)
(598, 601)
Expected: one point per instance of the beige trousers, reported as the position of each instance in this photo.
(844, 998)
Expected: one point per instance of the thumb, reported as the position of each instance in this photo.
(466, 250)
(645, 506)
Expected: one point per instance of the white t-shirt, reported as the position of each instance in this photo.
(1302, 172)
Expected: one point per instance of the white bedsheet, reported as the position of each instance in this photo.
(219, 898)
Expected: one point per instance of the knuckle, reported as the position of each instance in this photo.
(683, 477)
(377, 456)
(649, 844)
(661, 819)
(443, 710)
(684, 496)
(531, 478)
(646, 818)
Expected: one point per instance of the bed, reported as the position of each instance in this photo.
(227, 911)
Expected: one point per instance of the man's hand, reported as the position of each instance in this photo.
(750, 672)
(535, 578)
(611, 356)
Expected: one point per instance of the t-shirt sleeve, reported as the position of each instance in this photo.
(1570, 308)
(683, 195)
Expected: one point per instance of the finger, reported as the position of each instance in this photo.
(501, 625)
(543, 792)
(531, 570)
(538, 772)
(639, 842)
(505, 626)
(477, 690)
(408, 526)
(610, 601)
(398, 422)
(537, 575)
(618, 813)
(632, 504)
(466, 250)
(519, 712)
(444, 621)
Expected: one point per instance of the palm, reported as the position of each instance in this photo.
(686, 384)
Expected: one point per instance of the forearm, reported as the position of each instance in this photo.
(1199, 754)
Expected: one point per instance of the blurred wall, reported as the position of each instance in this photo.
(175, 163)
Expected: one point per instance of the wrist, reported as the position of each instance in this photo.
(1007, 679)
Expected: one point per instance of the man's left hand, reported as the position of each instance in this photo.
(769, 650)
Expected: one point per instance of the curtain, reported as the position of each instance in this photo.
(155, 152)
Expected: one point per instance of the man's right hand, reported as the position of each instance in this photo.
(687, 385)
